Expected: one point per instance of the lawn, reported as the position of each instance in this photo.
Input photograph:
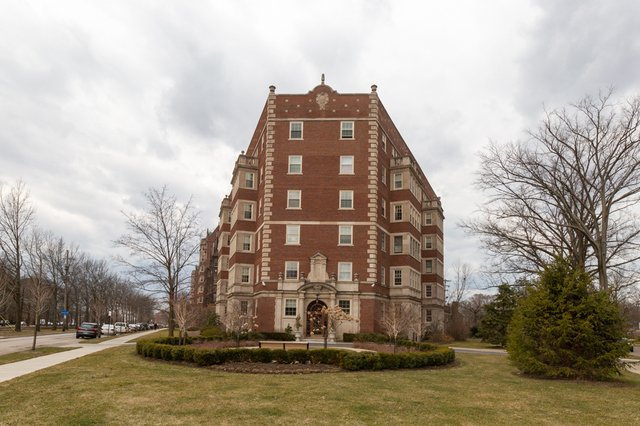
(21, 356)
(28, 331)
(473, 344)
(483, 389)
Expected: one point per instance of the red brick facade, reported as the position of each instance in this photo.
(327, 199)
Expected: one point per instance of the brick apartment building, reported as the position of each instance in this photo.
(328, 207)
(204, 278)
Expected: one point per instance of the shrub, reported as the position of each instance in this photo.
(565, 329)
(210, 330)
(284, 337)
(494, 325)
(205, 357)
(165, 351)
(261, 355)
(177, 353)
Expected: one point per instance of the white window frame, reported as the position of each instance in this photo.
(383, 241)
(244, 269)
(288, 266)
(246, 242)
(341, 233)
(346, 196)
(398, 209)
(248, 208)
(395, 237)
(291, 197)
(347, 127)
(292, 163)
(384, 208)
(249, 178)
(384, 142)
(344, 271)
(428, 242)
(344, 163)
(397, 181)
(345, 305)
(428, 290)
(383, 276)
(428, 266)
(428, 315)
(293, 124)
(428, 218)
(290, 307)
(293, 235)
(383, 175)
(397, 275)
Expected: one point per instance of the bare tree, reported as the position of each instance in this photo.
(186, 314)
(397, 319)
(16, 219)
(568, 191)
(240, 318)
(5, 287)
(474, 308)
(461, 282)
(418, 323)
(38, 291)
(161, 244)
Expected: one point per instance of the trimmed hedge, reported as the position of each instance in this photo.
(166, 349)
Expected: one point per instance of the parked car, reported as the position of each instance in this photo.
(108, 329)
(121, 328)
(88, 329)
(133, 327)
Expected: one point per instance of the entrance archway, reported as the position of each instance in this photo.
(316, 320)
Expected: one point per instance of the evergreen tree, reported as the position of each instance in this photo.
(493, 328)
(566, 329)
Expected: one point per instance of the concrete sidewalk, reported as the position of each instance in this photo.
(20, 368)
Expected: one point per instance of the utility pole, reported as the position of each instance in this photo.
(66, 279)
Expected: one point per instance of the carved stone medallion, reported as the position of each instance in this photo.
(322, 99)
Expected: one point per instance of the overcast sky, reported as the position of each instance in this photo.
(101, 100)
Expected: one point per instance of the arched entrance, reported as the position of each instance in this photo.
(316, 320)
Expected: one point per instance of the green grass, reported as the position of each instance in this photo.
(483, 390)
(28, 331)
(160, 333)
(473, 344)
(21, 356)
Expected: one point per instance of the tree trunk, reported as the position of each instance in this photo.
(18, 299)
(35, 333)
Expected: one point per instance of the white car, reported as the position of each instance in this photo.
(108, 330)
(121, 328)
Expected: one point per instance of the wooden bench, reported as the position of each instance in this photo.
(283, 345)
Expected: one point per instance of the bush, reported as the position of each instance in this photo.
(494, 325)
(210, 330)
(284, 337)
(365, 337)
(346, 359)
(565, 329)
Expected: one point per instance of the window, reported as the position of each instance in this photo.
(384, 208)
(428, 266)
(201, 279)
(346, 199)
(248, 180)
(293, 234)
(383, 175)
(397, 181)
(346, 165)
(427, 242)
(295, 164)
(295, 130)
(345, 235)
(293, 199)
(428, 316)
(246, 242)
(200, 299)
(414, 247)
(245, 274)
(344, 271)
(260, 208)
(229, 239)
(383, 241)
(261, 173)
(384, 142)
(229, 217)
(201, 289)
(346, 130)
(291, 270)
(248, 211)
(398, 212)
(290, 307)
(345, 305)
(427, 218)
(397, 277)
(397, 244)
(427, 291)
(244, 307)
(383, 278)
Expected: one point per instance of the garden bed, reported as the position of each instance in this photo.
(168, 350)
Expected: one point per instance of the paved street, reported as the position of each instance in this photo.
(17, 344)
